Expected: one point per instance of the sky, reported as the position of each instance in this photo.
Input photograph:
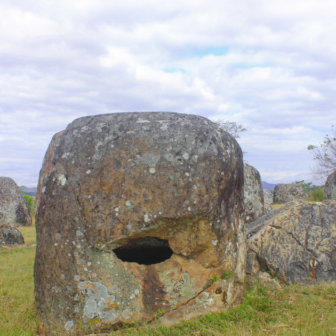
(268, 65)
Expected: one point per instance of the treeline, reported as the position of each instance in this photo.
(30, 201)
(315, 193)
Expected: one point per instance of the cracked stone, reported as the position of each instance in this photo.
(295, 242)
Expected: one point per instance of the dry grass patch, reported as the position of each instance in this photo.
(276, 205)
(279, 205)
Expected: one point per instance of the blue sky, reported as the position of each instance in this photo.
(267, 65)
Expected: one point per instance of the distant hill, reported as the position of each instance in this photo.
(30, 191)
(269, 186)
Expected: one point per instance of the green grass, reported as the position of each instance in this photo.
(29, 233)
(265, 310)
(291, 310)
(17, 313)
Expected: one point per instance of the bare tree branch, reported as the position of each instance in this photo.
(230, 127)
(325, 157)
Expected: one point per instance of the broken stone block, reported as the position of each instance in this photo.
(295, 242)
(135, 213)
(14, 210)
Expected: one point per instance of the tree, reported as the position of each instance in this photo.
(231, 127)
(325, 157)
(30, 201)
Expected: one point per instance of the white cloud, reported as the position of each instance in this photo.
(269, 65)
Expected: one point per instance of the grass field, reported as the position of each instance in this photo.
(17, 313)
(29, 234)
(265, 310)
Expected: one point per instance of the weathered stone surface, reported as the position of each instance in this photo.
(135, 212)
(268, 197)
(284, 193)
(295, 242)
(330, 186)
(253, 194)
(10, 236)
(14, 210)
(266, 278)
(268, 200)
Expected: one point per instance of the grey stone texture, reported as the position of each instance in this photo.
(10, 236)
(284, 193)
(14, 210)
(253, 194)
(296, 242)
(330, 186)
(268, 198)
(111, 181)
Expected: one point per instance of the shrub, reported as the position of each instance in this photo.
(316, 195)
(227, 274)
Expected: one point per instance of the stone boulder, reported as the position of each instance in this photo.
(10, 236)
(330, 186)
(268, 198)
(284, 193)
(14, 210)
(296, 242)
(253, 194)
(135, 212)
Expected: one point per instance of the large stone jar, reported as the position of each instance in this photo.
(284, 193)
(135, 212)
(14, 210)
